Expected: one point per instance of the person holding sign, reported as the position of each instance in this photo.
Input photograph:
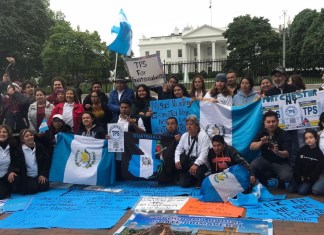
(219, 93)
(274, 144)
(309, 166)
(141, 106)
(179, 91)
(191, 154)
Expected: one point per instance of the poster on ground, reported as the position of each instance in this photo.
(186, 224)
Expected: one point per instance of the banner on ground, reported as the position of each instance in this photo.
(82, 160)
(188, 224)
(144, 153)
(163, 109)
(296, 110)
(146, 70)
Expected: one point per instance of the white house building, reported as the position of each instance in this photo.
(202, 44)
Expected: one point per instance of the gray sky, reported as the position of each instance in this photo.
(159, 18)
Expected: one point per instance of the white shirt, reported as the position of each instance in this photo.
(120, 94)
(199, 150)
(4, 160)
(226, 100)
(30, 159)
(125, 123)
(68, 114)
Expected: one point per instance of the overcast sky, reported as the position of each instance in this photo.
(159, 18)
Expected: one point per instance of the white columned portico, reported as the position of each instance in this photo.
(213, 55)
(198, 55)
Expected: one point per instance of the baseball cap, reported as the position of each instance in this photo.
(59, 116)
(279, 69)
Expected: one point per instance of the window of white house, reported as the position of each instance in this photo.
(195, 52)
(147, 53)
(158, 53)
(169, 69)
(209, 51)
(168, 53)
(223, 50)
(179, 53)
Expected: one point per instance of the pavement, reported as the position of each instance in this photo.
(280, 227)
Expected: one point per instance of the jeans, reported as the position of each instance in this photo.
(188, 180)
(302, 188)
(261, 167)
(318, 187)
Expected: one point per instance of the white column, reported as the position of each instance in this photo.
(185, 59)
(198, 56)
(213, 55)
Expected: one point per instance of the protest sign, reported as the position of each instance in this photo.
(158, 204)
(146, 70)
(163, 109)
(116, 137)
(196, 207)
(296, 110)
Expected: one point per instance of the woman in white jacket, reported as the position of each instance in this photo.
(38, 111)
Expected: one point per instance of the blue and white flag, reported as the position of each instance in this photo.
(220, 187)
(122, 43)
(43, 126)
(238, 124)
(82, 160)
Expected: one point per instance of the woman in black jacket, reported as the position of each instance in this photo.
(9, 176)
(34, 164)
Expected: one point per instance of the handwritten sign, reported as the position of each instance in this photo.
(298, 209)
(196, 207)
(296, 110)
(146, 70)
(163, 109)
(160, 203)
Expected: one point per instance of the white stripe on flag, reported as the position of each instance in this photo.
(91, 154)
(218, 117)
(146, 170)
(226, 188)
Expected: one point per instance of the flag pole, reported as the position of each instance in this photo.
(115, 66)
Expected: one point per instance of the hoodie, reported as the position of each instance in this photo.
(241, 99)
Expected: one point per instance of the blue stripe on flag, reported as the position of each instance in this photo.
(134, 166)
(195, 108)
(156, 162)
(246, 123)
(242, 175)
(60, 157)
(104, 176)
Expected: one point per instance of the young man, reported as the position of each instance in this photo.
(57, 83)
(191, 154)
(274, 144)
(231, 84)
(172, 129)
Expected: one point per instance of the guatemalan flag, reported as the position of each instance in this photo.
(82, 160)
(220, 187)
(43, 126)
(122, 31)
(238, 124)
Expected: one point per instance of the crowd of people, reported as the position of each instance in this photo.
(26, 149)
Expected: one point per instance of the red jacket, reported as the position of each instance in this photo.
(77, 114)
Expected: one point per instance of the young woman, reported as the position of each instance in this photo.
(308, 166)
(141, 106)
(71, 110)
(219, 93)
(297, 80)
(8, 174)
(103, 115)
(90, 128)
(198, 89)
(34, 164)
(245, 94)
(38, 111)
(265, 84)
(179, 91)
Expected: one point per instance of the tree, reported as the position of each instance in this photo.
(24, 26)
(298, 31)
(249, 39)
(313, 43)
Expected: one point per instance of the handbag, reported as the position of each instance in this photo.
(185, 159)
